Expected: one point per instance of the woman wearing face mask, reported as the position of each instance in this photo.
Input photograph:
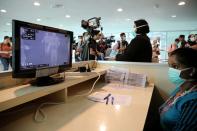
(139, 49)
(179, 112)
(191, 40)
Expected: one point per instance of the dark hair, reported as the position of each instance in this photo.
(176, 40)
(186, 57)
(190, 36)
(11, 39)
(6, 37)
(182, 36)
(122, 34)
(144, 29)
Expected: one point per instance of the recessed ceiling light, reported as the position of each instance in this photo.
(38, 19)
(8, 24)
(173, 16)
(36, 3)
(181, 3)
(119, 9)
(67, 16)
(3, 11)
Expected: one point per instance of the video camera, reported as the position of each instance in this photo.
(91, 25)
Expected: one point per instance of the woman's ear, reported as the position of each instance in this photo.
(189, 74)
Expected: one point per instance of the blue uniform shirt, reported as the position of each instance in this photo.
(181, 114)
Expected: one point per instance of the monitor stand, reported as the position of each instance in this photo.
(47, 81)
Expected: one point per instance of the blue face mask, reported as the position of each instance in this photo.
(174, 76)
(133, 33)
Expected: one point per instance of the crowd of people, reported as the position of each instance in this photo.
(182, 43)
(97, 47)
(140, 49)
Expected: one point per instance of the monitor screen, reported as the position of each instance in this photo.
(40, 49)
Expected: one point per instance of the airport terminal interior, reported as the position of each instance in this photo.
(98, 65)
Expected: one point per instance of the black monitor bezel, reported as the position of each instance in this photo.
(31, 73)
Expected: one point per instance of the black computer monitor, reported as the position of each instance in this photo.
(40, 51)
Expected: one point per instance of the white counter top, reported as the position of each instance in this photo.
(82, 114)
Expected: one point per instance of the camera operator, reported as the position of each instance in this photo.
(123, 43)
(90, 37)
(89, 46)
(84, 47)
(93, 47)
(140, 49)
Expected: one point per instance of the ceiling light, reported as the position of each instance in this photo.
(8, 24)
(181, 3)
(173, 16)
(119, 9)
(3, 11)
(67, 16)
(38, 19)
(36, 3)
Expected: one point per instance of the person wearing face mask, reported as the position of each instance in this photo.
(179, 112)
(123, 43)
(191, 40)
(192, 43)
(139, 49)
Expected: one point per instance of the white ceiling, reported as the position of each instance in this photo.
(156, 12)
